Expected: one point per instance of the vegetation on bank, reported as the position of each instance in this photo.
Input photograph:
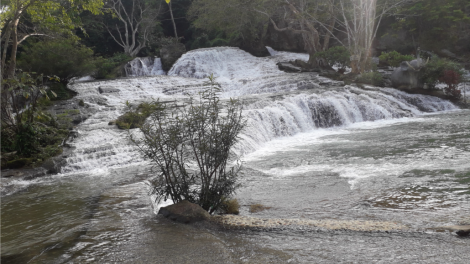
(30, 134)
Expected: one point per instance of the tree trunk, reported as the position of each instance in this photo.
(326, 41)
(14, 47)
(173, 20)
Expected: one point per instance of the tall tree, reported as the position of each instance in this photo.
(137, 20)
(316, 20)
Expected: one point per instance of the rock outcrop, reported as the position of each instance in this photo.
(407, 75)
(169, 54)
(184, 212)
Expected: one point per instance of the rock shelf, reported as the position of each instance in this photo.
(245, 222)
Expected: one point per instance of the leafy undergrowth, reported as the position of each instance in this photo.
(37, 141)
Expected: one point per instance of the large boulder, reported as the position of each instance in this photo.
(169, 54)
(407, 76)
(255, 48)
(184, 212)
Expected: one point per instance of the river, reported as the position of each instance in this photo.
(313, 149)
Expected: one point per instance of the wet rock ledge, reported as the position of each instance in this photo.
(245, 222)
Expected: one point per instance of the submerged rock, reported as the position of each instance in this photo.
(106, 89)
(288, 67)
(184, 212)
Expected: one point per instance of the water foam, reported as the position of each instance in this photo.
(272, 112)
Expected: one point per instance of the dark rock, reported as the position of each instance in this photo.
(288, 67)
(112, 123)
(169, 54)
(407, 76)
(51, 166)
(257, 49)
(463, 233)
(184, 212)
(18, 163)
(104, 89)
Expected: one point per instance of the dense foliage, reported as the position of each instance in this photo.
(435, 70)
(48, 57)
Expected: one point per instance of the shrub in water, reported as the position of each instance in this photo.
(202, 134)
(230, 206)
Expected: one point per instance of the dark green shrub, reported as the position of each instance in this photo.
(394, 58)
(136, 118)
(373, 78)
(64, 58)
(338, 55)
(436, 68)
(28, 134)
(60, 91)
(108, 68)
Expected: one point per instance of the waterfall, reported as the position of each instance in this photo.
(145, 66)
(276, 104)
(271, 119)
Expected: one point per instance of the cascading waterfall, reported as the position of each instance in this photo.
(146, 66)
(271, 119)
(271, 112)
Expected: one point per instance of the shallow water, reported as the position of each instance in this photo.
(313, 150)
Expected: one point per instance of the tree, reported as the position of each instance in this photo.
(316, 20)
(138, 20)
(24, 128)
(446, 20)
(21, 19)
(191, 147)
(172, 18)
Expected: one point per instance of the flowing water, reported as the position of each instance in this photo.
(313, 149)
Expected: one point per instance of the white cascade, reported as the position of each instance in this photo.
(276, 104)
(146, 66)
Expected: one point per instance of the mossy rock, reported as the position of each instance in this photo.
(18, 163)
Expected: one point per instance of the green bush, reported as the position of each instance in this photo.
(136, 118)
(64, 58)
(435, 69)
(373, 78)
(394, 58)
(202, 133)
(338, 55)
(108, 68)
